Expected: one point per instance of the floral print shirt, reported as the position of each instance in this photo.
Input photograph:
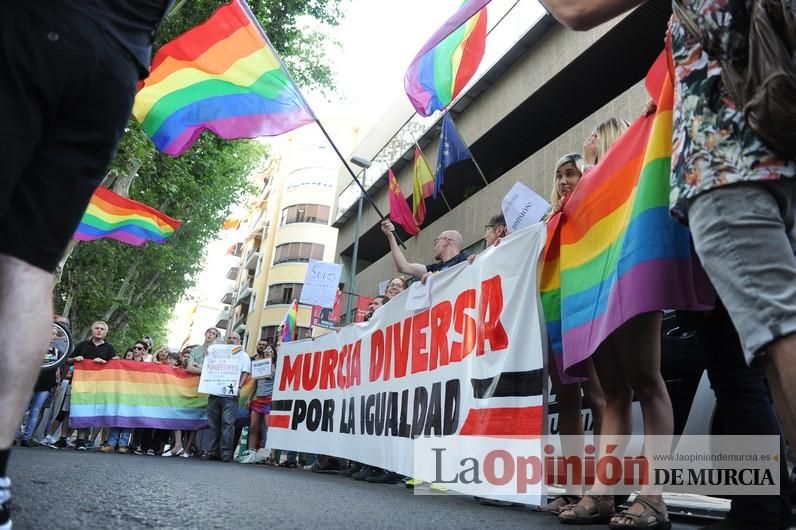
(712, 145)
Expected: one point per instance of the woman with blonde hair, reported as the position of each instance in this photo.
(627, 364)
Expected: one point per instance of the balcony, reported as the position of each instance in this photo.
(244, 296)
(227, 298)
(232, 274)
(251, 261)
(240, 325)
(222, 319)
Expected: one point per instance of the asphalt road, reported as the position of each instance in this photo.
(68, 489)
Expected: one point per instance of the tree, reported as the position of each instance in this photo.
(135, 289)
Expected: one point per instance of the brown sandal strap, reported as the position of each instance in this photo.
(642, 520)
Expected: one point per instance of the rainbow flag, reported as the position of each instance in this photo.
(289, 326)
(222, 75)
(116, 217)
(614, 252)
(448, 60)
(423, 186)
(133, 394)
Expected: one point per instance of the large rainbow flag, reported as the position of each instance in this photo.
(113, 216)
(134, 394)
(222, 75)
(289, 324)
(448, 60)
(614, 252)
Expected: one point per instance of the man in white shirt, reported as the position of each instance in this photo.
(221, 410)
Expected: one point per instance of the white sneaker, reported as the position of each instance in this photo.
(262, 455)
(247, 457)
(186, 454)
(48, 440)
(167, 453)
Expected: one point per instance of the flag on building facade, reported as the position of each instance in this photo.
(109, 215)
(290, 323)
(448, 60)
(423, 186)
(615, 252)
(399, 209)
(222, 75)
(451, 151)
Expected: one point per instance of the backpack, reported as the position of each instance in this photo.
(759, 69)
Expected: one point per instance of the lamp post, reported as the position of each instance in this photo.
(364, 164)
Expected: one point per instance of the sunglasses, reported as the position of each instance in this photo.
(139, 348)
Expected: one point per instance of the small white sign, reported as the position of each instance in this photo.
(419, 296)
(261, 369)
(321, 283)
(523, 207)
(220, 376)
(383, 287)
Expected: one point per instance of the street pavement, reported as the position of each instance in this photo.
(69, 489)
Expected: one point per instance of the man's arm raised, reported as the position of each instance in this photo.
(415, 269)
(583, 15)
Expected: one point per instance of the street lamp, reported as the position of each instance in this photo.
(364, 163)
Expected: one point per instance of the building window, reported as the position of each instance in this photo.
(304, 333)
(283, 293)
(269, 332)
(305, 213)
(297, 252)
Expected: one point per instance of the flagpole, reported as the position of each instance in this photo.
(315, 117)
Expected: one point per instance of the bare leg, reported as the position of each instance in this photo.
(177, 441)
(594, 395)
(255, 426)
(26, 315)
(780, 367)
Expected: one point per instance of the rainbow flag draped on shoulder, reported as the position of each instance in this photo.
(614, 252)
(134, 394)
(222, 75)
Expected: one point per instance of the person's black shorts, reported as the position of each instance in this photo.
(66, 90)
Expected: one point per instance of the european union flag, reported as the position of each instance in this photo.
(451, 151)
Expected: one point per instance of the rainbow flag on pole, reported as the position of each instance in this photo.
(448, 60)
(113, 216)
(134, 394)
(614, 252)
(223, 75)
(289, 324)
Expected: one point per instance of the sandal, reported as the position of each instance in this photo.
(557, 504)
(600, 511)
(654, 515)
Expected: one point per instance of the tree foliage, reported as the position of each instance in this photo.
(135, 289)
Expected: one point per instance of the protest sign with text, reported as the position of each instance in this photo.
(321, 283)
(469, 367)
(220, 370)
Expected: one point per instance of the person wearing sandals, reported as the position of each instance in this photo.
(635, 346)
(260, 407)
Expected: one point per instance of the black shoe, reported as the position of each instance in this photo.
(329, 466)
(365, 472)
(26, 443)
(5, 503)
(80, 445)
(351, 469)
(210, 456)
(385, 477)
(290, 464)
(60, 444)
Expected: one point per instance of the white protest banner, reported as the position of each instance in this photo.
(220, 376)
(261, 369)
(321, 283)
(523, 207)
(416, 392)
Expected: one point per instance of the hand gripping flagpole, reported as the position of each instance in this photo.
(248, 10)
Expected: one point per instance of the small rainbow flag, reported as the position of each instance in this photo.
(116, 217)
(222, 75)
(614, 252)
(448, 60)
(289, 326)
(133, 394)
